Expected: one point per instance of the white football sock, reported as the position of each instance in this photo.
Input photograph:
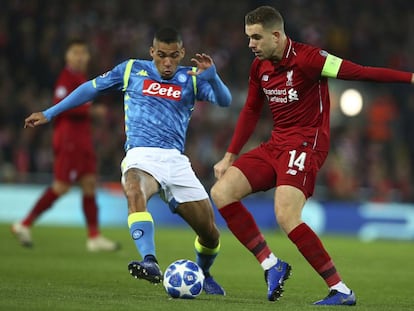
(269, 262)
(341, 287)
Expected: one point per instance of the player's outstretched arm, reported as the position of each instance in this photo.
(338, 68)
(81, 95)
(35, 119)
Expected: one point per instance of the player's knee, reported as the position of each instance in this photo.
(133, 192)
(88, 185)
(282, 220)
(89, 190)
(287, 219)
(60, 188)
(218, 195)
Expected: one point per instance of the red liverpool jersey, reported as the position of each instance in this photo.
(72, 129)
(298, 96)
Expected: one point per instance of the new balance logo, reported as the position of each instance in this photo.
(169, 91)
(291, 172)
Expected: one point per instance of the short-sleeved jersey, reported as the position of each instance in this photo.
(157, 111)
(72, 128)
(297, 95)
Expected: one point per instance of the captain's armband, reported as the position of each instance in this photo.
(331, 67)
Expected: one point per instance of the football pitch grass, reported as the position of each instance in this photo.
(59, 274)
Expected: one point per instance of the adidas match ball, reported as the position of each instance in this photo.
(183, 279)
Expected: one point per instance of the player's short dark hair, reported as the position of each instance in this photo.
(168, 35)
(266, 16)
(75, 41)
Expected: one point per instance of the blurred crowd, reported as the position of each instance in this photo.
(372, 154)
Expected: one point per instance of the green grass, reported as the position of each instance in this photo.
(58, 274)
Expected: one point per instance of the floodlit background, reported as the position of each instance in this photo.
(367, 180)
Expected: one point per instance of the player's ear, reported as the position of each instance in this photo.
(182, 52)
(276, 35)
(151, 51)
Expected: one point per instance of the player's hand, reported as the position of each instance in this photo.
(35, 119)
(203, 62)
(221, 167)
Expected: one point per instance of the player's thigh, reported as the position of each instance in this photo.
(87, 165)
(231, 187)
(256, 166)
(182, 184)
(249, 173)
(137, 182)
(298, 167)
(60, 187)
(65, 167)
(142, 172)
(297, 171)
(70, 165)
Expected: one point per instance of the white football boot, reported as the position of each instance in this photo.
(100, 243)
(22, 233)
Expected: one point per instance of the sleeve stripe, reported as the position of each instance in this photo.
(194, 69)
(94, 83)
(127, 73)
(331, 67)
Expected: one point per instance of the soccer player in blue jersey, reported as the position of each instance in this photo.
(159, 97)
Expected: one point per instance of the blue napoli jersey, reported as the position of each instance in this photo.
(157, 111)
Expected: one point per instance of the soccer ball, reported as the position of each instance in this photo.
(183, 279)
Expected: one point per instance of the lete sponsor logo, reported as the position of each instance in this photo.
(169, 91)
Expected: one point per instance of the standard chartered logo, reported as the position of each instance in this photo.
(281, 95)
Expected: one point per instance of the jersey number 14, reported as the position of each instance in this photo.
(297, 161)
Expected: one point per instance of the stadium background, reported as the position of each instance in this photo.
(368, 177)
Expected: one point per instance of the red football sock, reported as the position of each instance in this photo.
(90, 211)
(241, 223)
(312, 249)
(42, 204)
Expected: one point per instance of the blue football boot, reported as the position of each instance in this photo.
(275, 278)
(211, 287)
(146, 270)
(336, 298)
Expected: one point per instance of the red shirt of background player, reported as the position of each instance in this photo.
(72, 136)
(72, 129)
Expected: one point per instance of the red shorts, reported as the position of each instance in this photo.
(70, 165)
(266, 167)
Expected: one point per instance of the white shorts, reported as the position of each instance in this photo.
(171, 169)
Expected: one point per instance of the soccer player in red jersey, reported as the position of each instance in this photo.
(293, 79)
(74, 155)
